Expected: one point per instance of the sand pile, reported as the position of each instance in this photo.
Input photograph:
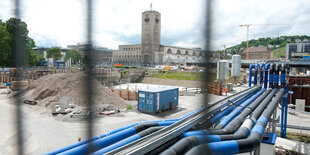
(70, 88)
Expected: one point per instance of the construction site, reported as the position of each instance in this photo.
(155, 84)
(251, 108)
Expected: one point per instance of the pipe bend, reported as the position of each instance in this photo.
(256, 66)
(267, 66)
(251, 66)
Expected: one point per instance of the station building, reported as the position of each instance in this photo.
(151, 52)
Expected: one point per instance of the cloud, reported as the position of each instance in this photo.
(118, 22)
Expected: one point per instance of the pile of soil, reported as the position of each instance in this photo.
(70, 88)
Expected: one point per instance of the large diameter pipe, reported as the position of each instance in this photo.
(127, 140)
(238, 110)
(261, 73)
(283, 67)
(266, 75)
(226, 111)
(116, 131)
(242, 145)
(250, 75)
(255, 74)
(276, 76)
(271, 76)
(106, 141)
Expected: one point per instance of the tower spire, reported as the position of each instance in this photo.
(151, 6)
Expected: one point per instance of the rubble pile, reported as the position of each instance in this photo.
(71, 89)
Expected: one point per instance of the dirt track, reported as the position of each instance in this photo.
(172, 82)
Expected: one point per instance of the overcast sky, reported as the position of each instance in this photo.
(117, 22)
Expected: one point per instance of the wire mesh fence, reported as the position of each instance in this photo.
(19, 57)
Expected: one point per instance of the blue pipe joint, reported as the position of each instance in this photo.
(255, 74)
(266, 75)
(250, 75)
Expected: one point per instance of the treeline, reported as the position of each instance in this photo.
(9, 31)
(276, 43)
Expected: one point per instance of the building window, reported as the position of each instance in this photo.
(307, 48)
(147, 19)
(178, 52)
(292, 48)
(169, 51)
(194, 54)
(200, 54)
(186, 53)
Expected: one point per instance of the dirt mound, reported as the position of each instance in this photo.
(70, 88)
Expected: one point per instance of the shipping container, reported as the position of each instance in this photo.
(157, 99)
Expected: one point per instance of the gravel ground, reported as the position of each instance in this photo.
(44, 132)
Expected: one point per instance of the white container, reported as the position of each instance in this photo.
(222, 70)
(236, 65)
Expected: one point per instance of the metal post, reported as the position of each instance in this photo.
(285, 115)
(257, 150)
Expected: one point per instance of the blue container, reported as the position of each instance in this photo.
(158, 99)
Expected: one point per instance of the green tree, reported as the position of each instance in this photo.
(34, 58)
(17, 29)
(54, 53)
(5, 47)
(75, 55)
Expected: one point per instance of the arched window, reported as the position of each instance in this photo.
(169, 51)
(178, 52)
(194, 54)
(186, 52)
(200, 54)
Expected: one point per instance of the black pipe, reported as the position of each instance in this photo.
(165, 146)
(187, 143)
(242, 145)
(237, 121)
(271, 74)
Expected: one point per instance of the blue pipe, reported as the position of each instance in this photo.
(106, 141)
(283, 68)
(232, 146)
(266, 75)
(127, 140)
(117, 145)
(116, 131)
(261, 74)
(250, 75)
(255, 74)
(238, 110)
(276, 77)
(223, 113)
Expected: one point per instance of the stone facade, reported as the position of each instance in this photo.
(150, 36)
(258, 53)
(128, 54)
(179, 55)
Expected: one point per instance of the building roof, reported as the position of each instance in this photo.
(257, 49)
